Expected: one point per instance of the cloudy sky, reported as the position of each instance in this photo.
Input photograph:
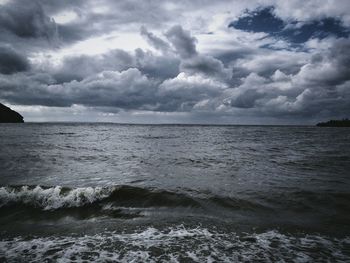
(183, 61)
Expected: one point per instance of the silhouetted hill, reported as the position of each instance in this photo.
(335, 123)
(9, 116)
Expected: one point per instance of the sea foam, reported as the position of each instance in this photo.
(53, 197)
(177, 244)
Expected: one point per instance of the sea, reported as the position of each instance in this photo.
(99, 192)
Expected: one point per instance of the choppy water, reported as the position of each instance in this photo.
(107, 192)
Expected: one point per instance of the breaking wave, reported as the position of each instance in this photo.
(57, 197)
(50, 198)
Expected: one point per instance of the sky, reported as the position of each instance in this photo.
(155, 61)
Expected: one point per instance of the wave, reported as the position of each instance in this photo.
(177, 244)
(51, 198)
(124, 197)
(56, 197)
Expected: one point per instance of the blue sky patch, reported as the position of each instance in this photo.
(264, 20)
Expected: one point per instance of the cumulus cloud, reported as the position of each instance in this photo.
(177, 58)
(121, 89)
(182, 41)
(319, 86)
(186, 91)
(159, 67)
(206, 65)
(81, 66)
(155, 41)
(330, 69)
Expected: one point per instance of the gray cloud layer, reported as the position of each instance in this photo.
(251, 75)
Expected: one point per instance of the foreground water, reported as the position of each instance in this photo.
(107, 192)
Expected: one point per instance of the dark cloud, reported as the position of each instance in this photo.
(182, 41)
(128, 90)
(26, 19)
(229, 56)
(149, 64)
(82, 66)
(340, 56)
(158, 67)
(247, 99)
(74, 32)
(155, 41)
(11, 61)
(125, 89)
(330, 69)
(320, 87)
(206, 65)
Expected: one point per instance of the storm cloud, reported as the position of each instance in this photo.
(201, 61)
(26, 20)
(11, 61)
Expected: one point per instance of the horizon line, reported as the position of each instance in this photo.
(160, 124)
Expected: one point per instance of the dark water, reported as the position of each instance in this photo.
(133, 193)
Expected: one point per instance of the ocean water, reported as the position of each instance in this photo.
(174, 193)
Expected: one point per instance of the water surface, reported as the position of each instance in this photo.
(174, 193)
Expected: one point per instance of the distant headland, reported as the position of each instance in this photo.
(9, 116)
(335, 123)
